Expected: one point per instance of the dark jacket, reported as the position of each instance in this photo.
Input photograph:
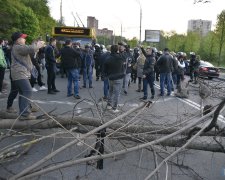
(113, 67)
(70, 59)
(50, 55)
(103, 59)
(165, 63)
(149, 63)
(127, 59)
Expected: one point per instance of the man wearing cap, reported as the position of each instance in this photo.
(71, 61)
(21, 67)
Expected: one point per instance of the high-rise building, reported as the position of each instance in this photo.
(92, 23)
(199, 25)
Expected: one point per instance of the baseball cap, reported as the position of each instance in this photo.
(17, 35)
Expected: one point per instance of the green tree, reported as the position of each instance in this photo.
(192, 42)
(28, 16)
(29, 24)
(133, 42)
(208, 47)
(220, 34)
(176, 42)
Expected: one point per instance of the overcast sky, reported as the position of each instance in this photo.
(166, 15)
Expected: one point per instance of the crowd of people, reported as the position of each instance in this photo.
(117, 68)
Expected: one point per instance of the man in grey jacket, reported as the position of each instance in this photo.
(21, 67)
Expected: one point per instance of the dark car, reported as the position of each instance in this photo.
(205, 69)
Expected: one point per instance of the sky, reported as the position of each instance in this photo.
(166, 15)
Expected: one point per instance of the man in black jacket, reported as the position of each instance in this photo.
(71, 62)
(148, 72)
(113, 68)
(50, 57)
(165, 64)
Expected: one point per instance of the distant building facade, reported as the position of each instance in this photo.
(92, 22)
(199, 25)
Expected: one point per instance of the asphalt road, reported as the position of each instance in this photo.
(132, 166)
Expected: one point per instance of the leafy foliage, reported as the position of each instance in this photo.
(28, 16)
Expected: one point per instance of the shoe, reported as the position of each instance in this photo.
(90, 86)
(109, 107)
(125, 92)
(77, 97)
(43, 88)
(69, 95)
(84, 86)
(168, 94)
(11, 110)
(143, 98)
(51, 92)
(115, 110)
(27, 117)
(152, 97)
(161, 94)
(34, 89)
(56, 90)
(34, 108)
(138, 90)
(105, 98)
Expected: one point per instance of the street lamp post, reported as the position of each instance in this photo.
(138, 1)
(140, 24)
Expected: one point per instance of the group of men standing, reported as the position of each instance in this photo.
(115, 68)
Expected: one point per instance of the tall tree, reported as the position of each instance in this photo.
(220, 34)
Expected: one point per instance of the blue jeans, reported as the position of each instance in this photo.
(165, 78)
(87, 75)
(114, 92)
(126, 81)
(25, 90)
(149, 79)
(73, 78)
(106, 87)
(173, 80)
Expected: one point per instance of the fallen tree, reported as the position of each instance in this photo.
(9, 121)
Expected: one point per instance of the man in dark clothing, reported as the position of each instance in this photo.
(35, 61)
(87, 66)
(165, 64)
(133, 65)
(71, 62)
(113, 68)
(105, 79)
(126, 56)
(50, 57)
(148, 72)
(194, 64)
(156, 68)
(97, 55)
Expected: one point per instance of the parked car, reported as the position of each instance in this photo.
(206, 70)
